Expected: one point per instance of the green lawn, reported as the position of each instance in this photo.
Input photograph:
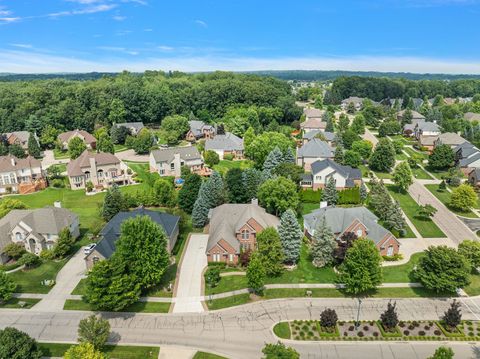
(60, 155)
(139, 307)
(228, 302)
(28, 281)
(414, 153)
(113, 351)
(80, 288)
(282, 330)
(419, 173)
(444, 197)
(120, 148)
(401, 157)
(383, 175)
(474, 288)
(309, 207)
(401, 273)
(228, 284)
(224, 165)
(203, 355)
(14, 303)
(426, 227)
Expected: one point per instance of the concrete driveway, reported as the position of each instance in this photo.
(130, 155)
(49, 159)
(67, 279)
(188, 298)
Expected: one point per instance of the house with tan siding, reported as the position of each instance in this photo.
(233, 229)
(169, 161)
(21, 175)
(314, 150)
(357, 220)
(65, 137)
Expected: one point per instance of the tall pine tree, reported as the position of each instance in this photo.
(291, 236)
(33, 147)
(330, 194)
(324, 245)
(289, 156)
(252, 179)
(274, 158)
(113, 203)
(210, 195)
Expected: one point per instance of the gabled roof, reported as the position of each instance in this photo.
(66, 136)
(186, 153)
(349, 173)
(329, 136)
(227, 219)
(226, 142)
(313, 112)
(428, 126)
(472, 116)
(136, 125)
(427, 140)
(339, 219)
(353, 99)
(450, 138)
(198, 126)
(415, 115)
(23, 136)
(315, 148)
(112, 230)
(74, 167)
(313, 123)
(42, 220)
(465, 162)
(11, 163)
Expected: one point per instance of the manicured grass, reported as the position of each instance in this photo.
(474, 288)
(60, 155)
(417, 154)
(309, 207)
(228, 302)
(120, 148)
(444, 197)
(139, 307)
(113, 351)
(224, 165)
(426, 227)
(282, 330)
(400, 157)
(228, 284)
(383, 175)
(203, 355)
(401, 273)
(14, 303)
(80, 288)
(419, 173)
(28, 281)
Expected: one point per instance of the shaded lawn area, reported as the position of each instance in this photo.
(401, 273)
(383, 175)
(419, 173)
(28, 281)
(473, 288)
(401, 157)
(120, 148)
(426, 227)
(224, 165)
(114, 351)
(14, 303)
(365, 170)
(414, 153)
(60, 155)
(440, 174)
(444, 197)
(139, 307)
(308, 207)
(203, 355)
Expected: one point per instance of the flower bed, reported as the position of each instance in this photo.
(310, 330)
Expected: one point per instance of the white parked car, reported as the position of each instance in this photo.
(88, 249)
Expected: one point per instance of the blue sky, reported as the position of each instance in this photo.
(201, 35)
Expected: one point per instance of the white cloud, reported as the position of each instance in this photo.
(201, 23)
(87, 10)
(5, 12)
(118, 18)
(8, 20)
(22, 46)
(24, 61)
(165, 48)
(148, 30)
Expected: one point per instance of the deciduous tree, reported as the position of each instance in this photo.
(189, 192)
(7, 287)
(402, 176)
(276, 195)
(441, 158)
(463, 198)
(16, 344)
(94, 330)
(76, 146)
(383, 157)
(256, 274)
(270, 251)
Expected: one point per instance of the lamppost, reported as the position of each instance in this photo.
(357, 323)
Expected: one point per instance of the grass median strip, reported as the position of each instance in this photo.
(139, 307)
(444, 197)
(426, 227)
(113, 351)
(19, 303)
(203, 355)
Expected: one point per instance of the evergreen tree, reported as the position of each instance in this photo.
(113, 203)
(270, 251)
(200, 211)
(33, 147)
(210, 195)
(15, 344)
(64, 243)
(338, 154)
(453, 316)
(256, 274)
(291, 236)
(389, 318)
(235, 185)
(363, 193)
(94, 330)
(394, 217)
(330, 194)
(330, 126)
(324, 245)
(189, 192)
(274, 158)
(252, 179)
(289, 156)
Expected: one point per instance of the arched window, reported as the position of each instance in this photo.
(245, 234)
(18, 236)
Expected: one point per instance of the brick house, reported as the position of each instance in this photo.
(65, 137)
(198, 130)
(234, 229)
(357, 220)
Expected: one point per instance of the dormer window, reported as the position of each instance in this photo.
(245, 234)
(359, 232)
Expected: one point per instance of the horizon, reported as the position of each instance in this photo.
(82, 36)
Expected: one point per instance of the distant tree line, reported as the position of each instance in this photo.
(70, 104)
(378, 89)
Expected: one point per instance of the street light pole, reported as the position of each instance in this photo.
(357, 323)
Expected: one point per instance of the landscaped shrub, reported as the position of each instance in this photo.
(360, 334)
(328, 319)
(345, 334)
(366, 328)
(471, 334)
(401, 325)
(375, 334)
(351, 328)
(437, 332)
(421, 333)
(411, 327)
(228, 157)
(311, 196)
(406, 332)
(426, 327)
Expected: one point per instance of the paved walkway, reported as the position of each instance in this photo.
(129, 155)
(67, 279)
(448, 222)
(188, 298)
(49, 159)
(172, 352)
(368, 135)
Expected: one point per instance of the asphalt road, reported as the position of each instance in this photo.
(241, 332)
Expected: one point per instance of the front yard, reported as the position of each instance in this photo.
(29, 281)
(224, 165)
(113, 351)
(444, 197)
(426, 227)
(139, 307)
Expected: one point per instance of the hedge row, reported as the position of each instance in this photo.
(347, 196)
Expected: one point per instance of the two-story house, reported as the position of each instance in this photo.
(234, 228)
(312, 151)
(356, 101)
(65, 137)
(198, 130)
(357, 220)
(322, 171)
(18, 138)
(21, 175)
(133, 127)
(36, 229)
(111, 232)
(169, 161)
(102, 169)
(467, 157)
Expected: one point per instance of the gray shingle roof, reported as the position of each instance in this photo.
(136, 125)
(226, 142)
(111, 232)
(329, 136)
(315, 148)
(198, 126)
(66, 136)
(313, 112)
(339, 219)
(313, 123)
(450, 138)
(351, 174)
(186, 153)
(227, 219)
(472, 116)
(428, 126)
(23, 136)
